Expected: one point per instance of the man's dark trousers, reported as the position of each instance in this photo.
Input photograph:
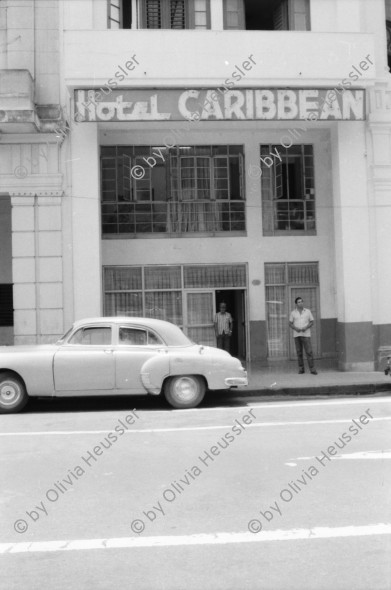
(300, 343)
(223, 341)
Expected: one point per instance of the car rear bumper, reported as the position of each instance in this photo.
(236, 381)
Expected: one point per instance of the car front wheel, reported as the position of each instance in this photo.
(184, 391)
(13, 394)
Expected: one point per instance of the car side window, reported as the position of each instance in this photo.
(154, 339)
(133, 336)
(137, 337)
(92, 336)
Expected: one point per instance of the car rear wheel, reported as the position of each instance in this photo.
(13, 394)
(184, 391)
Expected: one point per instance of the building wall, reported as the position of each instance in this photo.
(66, 45)
(6, 332)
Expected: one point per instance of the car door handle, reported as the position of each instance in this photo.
(108, 351)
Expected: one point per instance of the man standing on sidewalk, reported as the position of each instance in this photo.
(300, 321)
(223, 327)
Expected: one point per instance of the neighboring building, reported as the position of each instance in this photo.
(160, 156)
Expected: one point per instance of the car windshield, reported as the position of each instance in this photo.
(64, 337)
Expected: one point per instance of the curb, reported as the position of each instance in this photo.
(351, 389)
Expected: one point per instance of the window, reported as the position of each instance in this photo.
(388, 32)
(6, 305)
(283, 283)
(138, 337)
(91, 336)
(288, 189)
(159, 14)
(180, 190)
(267, 15)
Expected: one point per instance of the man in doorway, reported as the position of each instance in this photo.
(223, 327)
(300, 321)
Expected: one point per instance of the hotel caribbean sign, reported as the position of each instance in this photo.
(215, 104)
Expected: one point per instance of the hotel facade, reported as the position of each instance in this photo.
(158, 157)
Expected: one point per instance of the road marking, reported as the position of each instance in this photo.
(358, 455)
(186, 428)
(200, 539)
(283, 404)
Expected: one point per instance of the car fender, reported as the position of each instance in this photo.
(154, 371)
(191, 364)
(207, 363)
(34, 364)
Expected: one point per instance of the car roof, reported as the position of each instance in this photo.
(171, 333)
(151, 322)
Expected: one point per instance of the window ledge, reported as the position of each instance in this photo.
(287, 233)
(148, 236)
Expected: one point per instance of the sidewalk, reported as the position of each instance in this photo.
(269, 380)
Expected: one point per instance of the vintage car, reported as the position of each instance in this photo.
(118, 355)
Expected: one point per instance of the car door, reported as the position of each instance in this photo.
(135, 346)
(85, 362)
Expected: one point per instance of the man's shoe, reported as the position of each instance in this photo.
(314, 372)
(301, 371)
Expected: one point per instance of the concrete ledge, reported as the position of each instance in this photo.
(347, 389)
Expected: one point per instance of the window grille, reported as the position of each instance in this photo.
(288, 190)
(283, 283)
(185, 190)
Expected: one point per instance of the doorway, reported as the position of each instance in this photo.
(236, 305)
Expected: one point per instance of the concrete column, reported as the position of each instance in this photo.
(86, 231)
(380, 153)
(37, 269)
(352, 247)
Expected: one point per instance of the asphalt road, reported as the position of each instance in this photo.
(252, 493)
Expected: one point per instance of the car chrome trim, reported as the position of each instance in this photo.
(236, 381)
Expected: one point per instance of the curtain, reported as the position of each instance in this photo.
(162, 277)
(277, 322)
(200, 321)
(164, 305)
(303, 274)
(215, 276)
(127, 304)
(123, 278)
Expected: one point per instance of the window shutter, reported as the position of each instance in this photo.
(177, 14)
(114, 8)
(280, 16)
(199, 14)
(233, 14)
(153, 14)
(278, 194)
(299, 13)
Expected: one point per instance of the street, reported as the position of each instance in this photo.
(241, 493)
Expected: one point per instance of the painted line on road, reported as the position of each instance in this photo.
(199, 539)
(358, 455)
(283, 404)
(185, 428)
